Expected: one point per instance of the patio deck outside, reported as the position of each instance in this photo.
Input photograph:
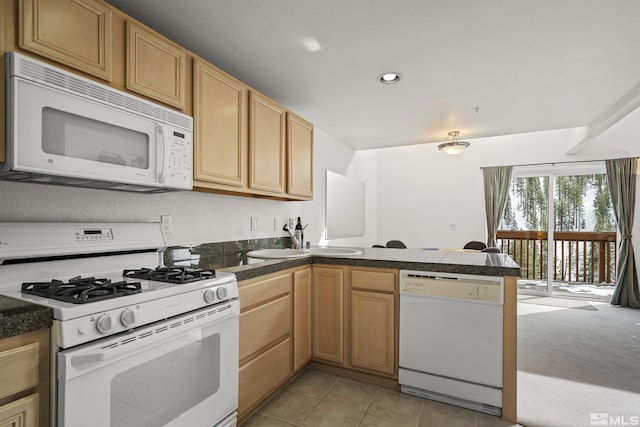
(584, 262)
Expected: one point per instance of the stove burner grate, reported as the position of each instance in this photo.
(176, 275)
(81, 290)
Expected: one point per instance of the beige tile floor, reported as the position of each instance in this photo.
(320, 399)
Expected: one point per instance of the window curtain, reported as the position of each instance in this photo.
(621, 175)
(496, 189)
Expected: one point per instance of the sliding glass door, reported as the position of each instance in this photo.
(559, 227)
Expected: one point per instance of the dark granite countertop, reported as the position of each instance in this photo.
(449, 261)
(19, 317)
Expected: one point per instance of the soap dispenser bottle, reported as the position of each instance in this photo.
(298, 233)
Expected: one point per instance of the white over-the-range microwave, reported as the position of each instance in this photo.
(68, 130)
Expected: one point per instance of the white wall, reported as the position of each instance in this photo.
(422, 193)
(197, 217)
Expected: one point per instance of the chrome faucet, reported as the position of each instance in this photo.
(296, 237)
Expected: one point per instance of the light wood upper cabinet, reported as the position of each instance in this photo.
(299, 156)
(328, 314)
(301, 318)
(76, 33)
(266, 144)
(156, 67)
(4, 14)
(220, 126)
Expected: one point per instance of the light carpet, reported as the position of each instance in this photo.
(578, 367)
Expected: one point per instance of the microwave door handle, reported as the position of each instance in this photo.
(163, 157)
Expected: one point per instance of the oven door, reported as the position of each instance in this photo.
(178, 372)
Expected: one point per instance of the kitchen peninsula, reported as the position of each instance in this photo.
(340, 313)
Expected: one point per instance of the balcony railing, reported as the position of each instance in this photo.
(578, 256)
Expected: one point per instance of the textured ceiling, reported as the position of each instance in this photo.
(485, 68)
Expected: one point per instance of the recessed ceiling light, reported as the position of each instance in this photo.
(389, 78)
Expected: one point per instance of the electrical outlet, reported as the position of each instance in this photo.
(255, 223)
(167, 224)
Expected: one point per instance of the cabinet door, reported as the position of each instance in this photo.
(266, 144)
(301, 318)
(156, 66)
(220, 126)
(372, 331)
(76, 33)
(20, 413)
(299, 157)
(328, 314)
(4, 14)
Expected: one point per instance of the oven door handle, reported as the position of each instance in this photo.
(82, 360)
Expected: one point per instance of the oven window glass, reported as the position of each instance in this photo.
(157, 392)
(70, 135)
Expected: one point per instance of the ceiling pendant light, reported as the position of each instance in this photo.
(454, 146)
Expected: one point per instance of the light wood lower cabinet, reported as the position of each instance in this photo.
(372, 331)
(328, 314)
(265, 338)
(24, 380)
(263, 375)
(374, 320)
(355, 318)
(20, 413)
(301, 318)
(264, 325)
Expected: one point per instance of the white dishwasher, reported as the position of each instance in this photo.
(451, 338)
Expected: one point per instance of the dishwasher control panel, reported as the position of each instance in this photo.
(453, 286)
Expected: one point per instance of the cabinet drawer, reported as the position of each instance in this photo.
(254, 293)
(263, 325)
(22, 412)
(374, 280)
(263, 374)
(19, 369)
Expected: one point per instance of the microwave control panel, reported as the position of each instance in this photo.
(179, 158)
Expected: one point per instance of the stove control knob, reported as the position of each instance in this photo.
(104, 323)
(209, 296)
(222, 292)
(129, 317)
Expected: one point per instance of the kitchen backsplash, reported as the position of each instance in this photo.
(220, 254)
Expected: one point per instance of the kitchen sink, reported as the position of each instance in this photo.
(334, 251)
(277, 253)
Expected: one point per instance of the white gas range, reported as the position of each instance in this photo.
(132, 344)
